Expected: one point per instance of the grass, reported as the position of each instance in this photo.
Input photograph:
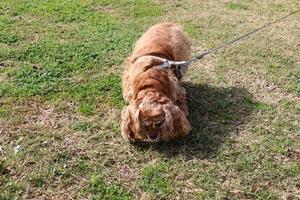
(153, 181)
(60, 102)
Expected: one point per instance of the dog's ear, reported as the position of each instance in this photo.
(136, 120)
(168, 120)
(130, 125)
(126, 124)
(177, 124)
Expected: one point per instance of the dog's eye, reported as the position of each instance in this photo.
(159, 124)
(146, 124)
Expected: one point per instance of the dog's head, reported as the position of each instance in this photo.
(153, 120)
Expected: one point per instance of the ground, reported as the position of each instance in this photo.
(60, 102)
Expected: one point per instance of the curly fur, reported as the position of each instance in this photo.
(157, 107)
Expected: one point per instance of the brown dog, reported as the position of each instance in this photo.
(157, 107)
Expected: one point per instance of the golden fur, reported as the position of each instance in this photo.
(157, 107)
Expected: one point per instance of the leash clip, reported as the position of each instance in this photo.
(179, 65)
(169, 63)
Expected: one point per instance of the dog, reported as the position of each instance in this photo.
(157, 107)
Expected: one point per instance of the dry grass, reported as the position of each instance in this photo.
(60, 102)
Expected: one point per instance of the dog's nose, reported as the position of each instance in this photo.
(153, 136)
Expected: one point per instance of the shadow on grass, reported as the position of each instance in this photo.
(215, 113)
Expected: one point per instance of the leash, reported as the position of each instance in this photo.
(180, 65)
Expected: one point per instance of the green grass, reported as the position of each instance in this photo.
(236, 6)
(104, 191)
(154, 182)
(60, 102)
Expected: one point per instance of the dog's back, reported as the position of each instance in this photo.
(165, 40)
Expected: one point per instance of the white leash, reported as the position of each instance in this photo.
(180, 65)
